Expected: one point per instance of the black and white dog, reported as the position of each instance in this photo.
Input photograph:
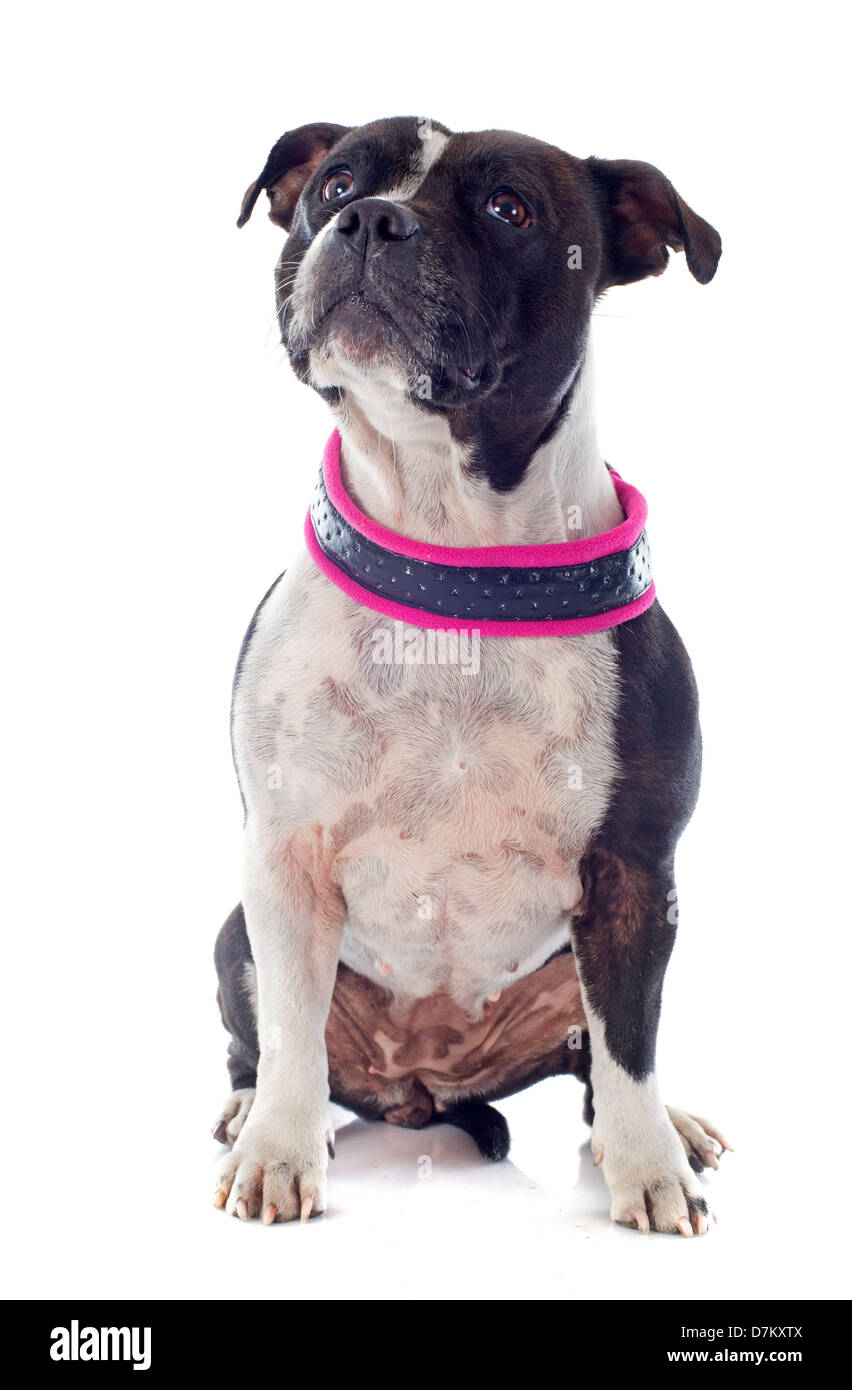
(465, 732)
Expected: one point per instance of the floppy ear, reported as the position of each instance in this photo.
(644, 215)
(291, 162)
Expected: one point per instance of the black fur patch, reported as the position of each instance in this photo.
(625, 932)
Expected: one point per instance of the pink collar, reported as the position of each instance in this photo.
(549, 590)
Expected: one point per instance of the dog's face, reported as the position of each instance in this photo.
(455, 274)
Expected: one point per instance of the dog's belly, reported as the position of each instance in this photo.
(466, 909)
(406, 1061)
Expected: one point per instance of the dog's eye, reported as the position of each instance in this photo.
(509, 208)
(336, 185)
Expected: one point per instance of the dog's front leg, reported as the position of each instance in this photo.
(622, 940)
(294, 919)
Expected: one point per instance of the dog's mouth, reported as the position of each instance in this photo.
(366, 332)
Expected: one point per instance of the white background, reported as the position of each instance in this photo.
(159, 462)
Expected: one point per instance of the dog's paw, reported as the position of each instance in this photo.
(702, 1141)
(276, 1170)
(651, 1185)
(234, 1114)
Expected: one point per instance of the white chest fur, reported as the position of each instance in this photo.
(454, 799)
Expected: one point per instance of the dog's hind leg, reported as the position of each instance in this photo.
(233, 1115)
(701, 1139)
(237, 1004)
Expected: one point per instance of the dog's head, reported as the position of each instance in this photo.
(455, 274)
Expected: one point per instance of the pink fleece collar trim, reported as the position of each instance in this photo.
(557, 553)
(567, 553)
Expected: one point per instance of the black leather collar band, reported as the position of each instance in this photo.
(420, 584)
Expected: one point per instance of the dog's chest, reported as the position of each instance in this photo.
(456, 785)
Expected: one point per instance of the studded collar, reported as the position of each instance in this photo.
(557, 589)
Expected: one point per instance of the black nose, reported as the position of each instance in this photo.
(370, 225)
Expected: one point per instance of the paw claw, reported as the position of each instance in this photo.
(684, 1227)
(269, 1214)
(241, 1209)
(305, 1210)
(221, 1197)
(714, 1133)
(640, 1216)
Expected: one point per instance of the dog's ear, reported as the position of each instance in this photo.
(644, 216)
(291, 162)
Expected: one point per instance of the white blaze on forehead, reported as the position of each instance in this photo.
(430, 147)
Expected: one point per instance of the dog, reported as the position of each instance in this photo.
(459, 866)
